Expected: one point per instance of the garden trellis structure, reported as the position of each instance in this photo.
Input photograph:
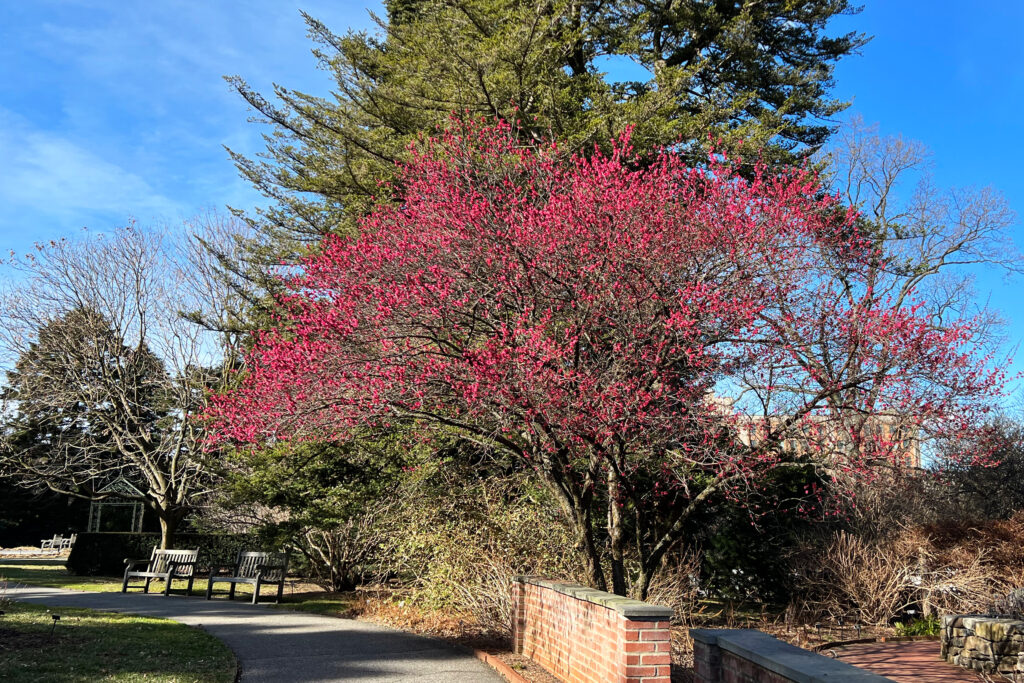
(118, 501)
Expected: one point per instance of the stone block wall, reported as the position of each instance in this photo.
(988, 644)
(748, 656)
(582, 635)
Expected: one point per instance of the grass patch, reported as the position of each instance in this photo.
(346, 605)
(53, 574)
(101, 646)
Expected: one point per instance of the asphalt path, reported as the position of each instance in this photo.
(281, 646)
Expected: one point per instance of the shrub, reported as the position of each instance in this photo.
(876, 580)
(929, 626)
(325, 501)
(103, 554)
(1000, 539)
(459, 541)
(1011, 605)
(678, 585)
(850, 574)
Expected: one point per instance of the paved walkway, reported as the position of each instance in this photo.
(280, 646)
(906, 662)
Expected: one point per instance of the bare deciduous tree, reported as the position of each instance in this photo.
(927, 237)
(924, 242)
(109, 376)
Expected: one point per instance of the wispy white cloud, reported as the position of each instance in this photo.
(112, 109)
(61, 180)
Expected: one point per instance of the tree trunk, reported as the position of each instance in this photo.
(576, 501)
(585, 545)
(169, 521)
(615, 535)
(643, 582)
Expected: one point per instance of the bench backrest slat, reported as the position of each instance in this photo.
(248, 565)
(159, 560)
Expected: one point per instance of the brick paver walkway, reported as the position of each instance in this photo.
(905, 662)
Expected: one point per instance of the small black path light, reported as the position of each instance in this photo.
(56, 618)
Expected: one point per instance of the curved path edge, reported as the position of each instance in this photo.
(275, 645)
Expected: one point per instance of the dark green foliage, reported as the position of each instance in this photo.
(28, 516)
(744, 546)
(104, 554)
(76, 380)
(929, 626)
(987, 490)
(325, 500)
(760, 72)
(320, 484)
(87, 409)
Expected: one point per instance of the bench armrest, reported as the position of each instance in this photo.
(129, 562)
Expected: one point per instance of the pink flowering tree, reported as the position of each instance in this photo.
(641, 334)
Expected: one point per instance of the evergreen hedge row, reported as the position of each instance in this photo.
(103, 554)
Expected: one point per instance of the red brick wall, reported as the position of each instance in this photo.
(580, 640)
(713, 665)
(738, 670)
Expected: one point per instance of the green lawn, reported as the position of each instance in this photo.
(102, 646)
(321, 602)
(52, 574)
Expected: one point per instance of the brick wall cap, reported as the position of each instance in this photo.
(632, 609)
(708, 636)
(789, 661)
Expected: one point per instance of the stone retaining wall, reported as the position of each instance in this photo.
(989, 644)
(748, 656)
(582, 635)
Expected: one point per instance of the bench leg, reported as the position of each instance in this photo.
(124, 584)
(209, 589)
(280, 591)
(256, 592)
(231, 591)
(191, 580)
(146, 588)
(167, 586)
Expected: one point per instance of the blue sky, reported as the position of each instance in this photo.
(111, 109)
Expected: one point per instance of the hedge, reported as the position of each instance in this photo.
(103, 554)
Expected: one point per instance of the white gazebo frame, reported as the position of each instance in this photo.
(119, 493)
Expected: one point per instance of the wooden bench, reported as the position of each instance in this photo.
(255, 569)
(163, 564)
(54, 543)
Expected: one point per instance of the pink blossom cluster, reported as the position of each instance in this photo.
(583, 311)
